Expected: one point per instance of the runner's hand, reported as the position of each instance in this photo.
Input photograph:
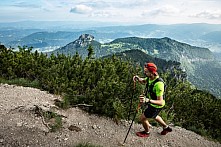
(143, 99)
(135, 78)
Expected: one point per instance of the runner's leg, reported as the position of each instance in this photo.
(145, 123)
(161, 121)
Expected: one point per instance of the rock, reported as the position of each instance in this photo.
(1, 140)
(19, 124)
(65, 139)
(74, 128)
(94, 127)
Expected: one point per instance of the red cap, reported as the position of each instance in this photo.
(151, 67)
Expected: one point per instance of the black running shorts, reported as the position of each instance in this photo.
(152, 112)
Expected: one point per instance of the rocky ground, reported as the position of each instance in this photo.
(21, 126)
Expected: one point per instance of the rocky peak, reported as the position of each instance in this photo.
(84, 40)
(2, 46)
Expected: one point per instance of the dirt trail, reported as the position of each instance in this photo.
(20, 126)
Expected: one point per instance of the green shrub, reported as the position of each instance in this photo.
(199, 131)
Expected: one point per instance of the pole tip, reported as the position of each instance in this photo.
(121, 144)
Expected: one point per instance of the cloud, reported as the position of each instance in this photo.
(208, 15)
(97, 4)
(144, 11)
(26, 4)
(135, 4)
(81, 9)
(165, 10)
(105, 14)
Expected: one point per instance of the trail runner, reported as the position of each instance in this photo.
(153, 99)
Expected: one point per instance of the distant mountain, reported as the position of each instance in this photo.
(7, 34)
(54, 25)
(217, 56)
(79, 46)
(188, 33)
(140, 58)
(206, 76)
(45, 41)
(166, 48)
(212, 37)
(198, 34)
(194, 60)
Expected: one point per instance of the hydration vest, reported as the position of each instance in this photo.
(149, 89)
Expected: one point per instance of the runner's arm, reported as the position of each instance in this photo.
(140, 80)
(159, 101)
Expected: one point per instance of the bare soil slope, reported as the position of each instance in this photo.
(20, 126)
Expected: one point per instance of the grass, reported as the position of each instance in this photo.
(57, 124)
(21, 82)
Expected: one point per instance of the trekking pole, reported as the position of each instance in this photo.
(138, 107)
(131, 100)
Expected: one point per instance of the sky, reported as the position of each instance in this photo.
(115, 11)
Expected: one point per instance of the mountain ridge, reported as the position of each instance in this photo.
(193, 34)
